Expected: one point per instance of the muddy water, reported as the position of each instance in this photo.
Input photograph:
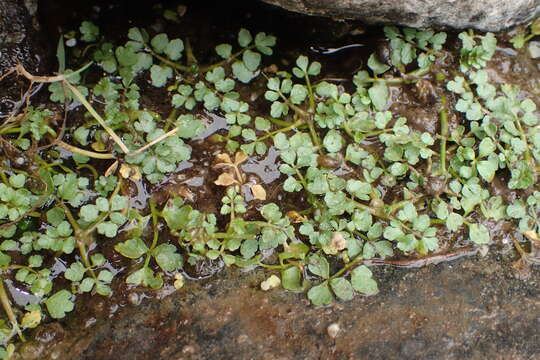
(471, 308)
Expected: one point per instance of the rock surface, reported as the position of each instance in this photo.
(467, 309)
(486, 15)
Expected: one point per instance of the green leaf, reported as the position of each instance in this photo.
(17, 181)
(75, 272)
(342, 288)
(326, 89)
(224, 50)
(241, 72)
(314, 68)
(146, 277)
(59, 304)
(320, 294)
(298, 94)
(264, 43)
(167, 257)
(89, 213)
(244, 37)
(376, 66)
(333, 141)
(319, 266)
(87, 284)
(135, 34)
(108, 229)
(362, 281)
(160, 75)
(174, 49)
(479, 234)
(486, 147)
(487, 168)
(89, 31)
(251, 60)
(271, 212)
(105, 276)
(378, 94)
(302, 63)
(291, 279)
(159, 43)
(132, 248)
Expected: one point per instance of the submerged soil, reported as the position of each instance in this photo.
(472, 308)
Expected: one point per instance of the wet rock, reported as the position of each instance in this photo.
(487, 15)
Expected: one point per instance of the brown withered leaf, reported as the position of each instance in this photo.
(224, 158)
(239, 158)
(338, 241)
(112, 169)
(295, 217)
(258, 192)
(225, 179)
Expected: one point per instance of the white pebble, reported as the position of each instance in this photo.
(333, 330)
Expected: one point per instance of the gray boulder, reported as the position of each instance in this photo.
(486, 15)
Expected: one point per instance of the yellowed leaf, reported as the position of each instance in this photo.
(130, 172)
(31, 319)
(98, 146)
(532, 235)
(179, 281)
(125, 171)
(225, 179)
(258, 192)
(295, 217)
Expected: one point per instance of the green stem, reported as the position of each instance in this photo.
(275, 267)
(226, 61)
(369, 209)
(6, 304)
(285, 129)
(84, 256)
(443, 116)
(169, 62)
(313, 132)
(10, 130)
(310, 92)
(89, 167)
(155, 215)
(279, 122)
(357, 260)
(4, 178)
(528, 156)
(231, 236)
(170, 119)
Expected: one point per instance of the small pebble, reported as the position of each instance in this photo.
(134, 299)
(534, 49)
(333, 330)
(71, 42)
